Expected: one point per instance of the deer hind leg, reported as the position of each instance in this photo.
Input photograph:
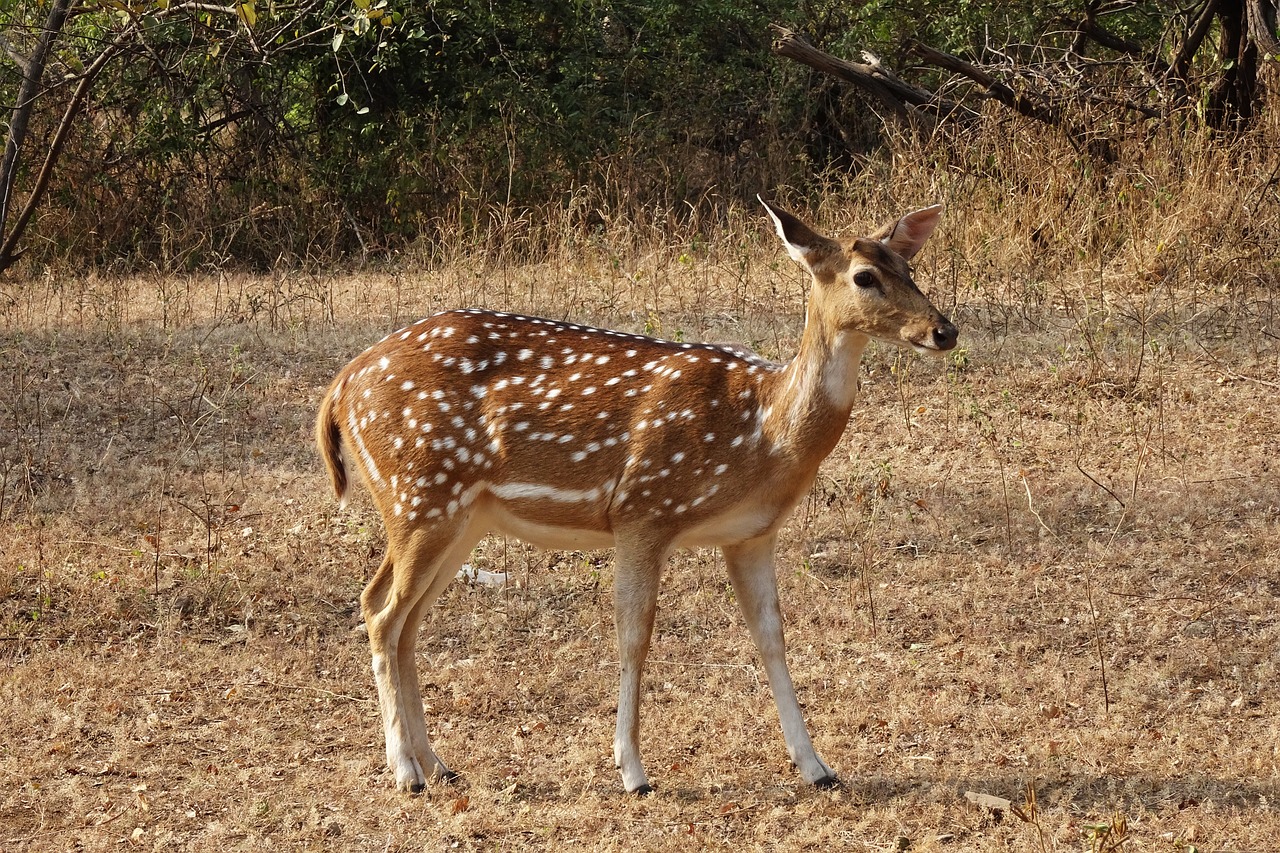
(638, 571)
(412, 576)
(751, 572)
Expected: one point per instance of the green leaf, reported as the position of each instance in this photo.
(337, 40)
(342, 99)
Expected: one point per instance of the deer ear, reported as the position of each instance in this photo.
(907, 235)
(804, 245)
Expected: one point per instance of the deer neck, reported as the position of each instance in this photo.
(817, 390)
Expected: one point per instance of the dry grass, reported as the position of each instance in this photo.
(1047, 563)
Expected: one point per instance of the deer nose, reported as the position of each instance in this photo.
(945, 335)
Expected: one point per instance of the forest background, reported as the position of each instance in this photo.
(180, 136)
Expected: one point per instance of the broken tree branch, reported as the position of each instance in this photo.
(899, 97)
(1001, 92)
(908, 101)
(992, 87)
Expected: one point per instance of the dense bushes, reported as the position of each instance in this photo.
(363, 128)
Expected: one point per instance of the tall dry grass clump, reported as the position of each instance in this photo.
(1031, 205)
(1180, 207)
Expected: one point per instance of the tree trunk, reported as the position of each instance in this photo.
(9, 241)
(31, 89)
(1231, 99)
(1247, 38)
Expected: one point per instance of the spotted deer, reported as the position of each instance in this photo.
(568, 436)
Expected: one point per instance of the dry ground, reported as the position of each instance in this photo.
(1046, 564)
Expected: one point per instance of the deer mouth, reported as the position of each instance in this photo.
(935, 340)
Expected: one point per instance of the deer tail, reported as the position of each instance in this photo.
(329, 442)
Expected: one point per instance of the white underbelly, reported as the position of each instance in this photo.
(538, 525)
(543, 534)
(729, 527)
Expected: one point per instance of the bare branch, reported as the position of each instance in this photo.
(1182, 61)
(992, 87)
(873, 78)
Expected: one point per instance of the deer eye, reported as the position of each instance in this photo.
(864, 278)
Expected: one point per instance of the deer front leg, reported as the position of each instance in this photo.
(635, 599)
(751, 572)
